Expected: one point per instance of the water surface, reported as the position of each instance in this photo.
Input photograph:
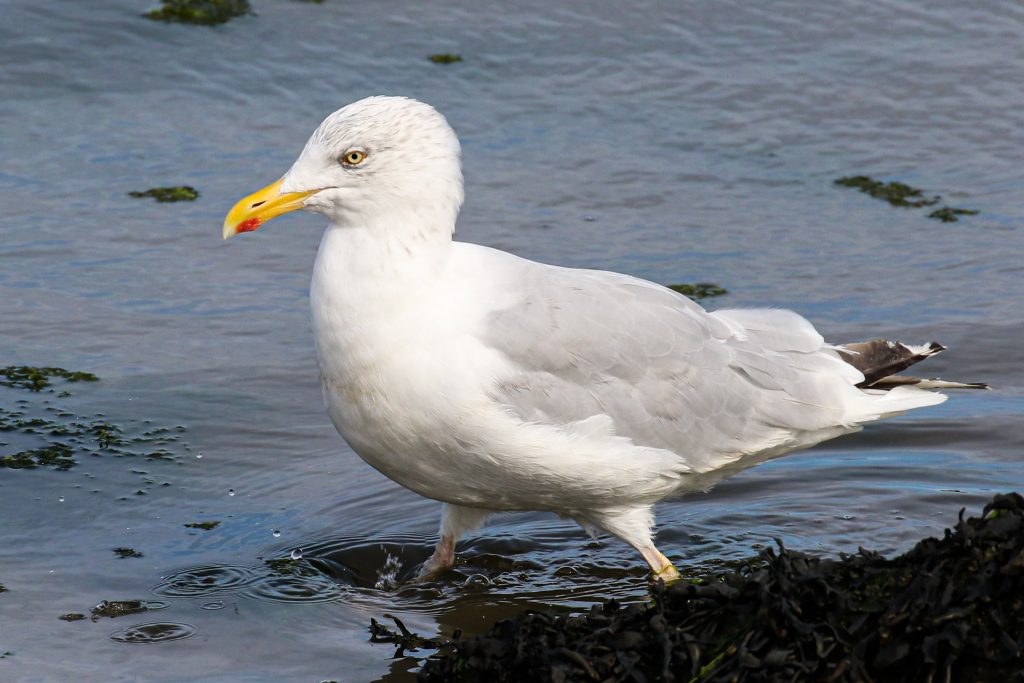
(677, 143)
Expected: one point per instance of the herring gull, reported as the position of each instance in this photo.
(490, 382)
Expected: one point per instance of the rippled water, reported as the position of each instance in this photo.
(677, 143)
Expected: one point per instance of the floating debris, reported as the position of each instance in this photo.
(127, 552)
(182, 193)
(902, 195)
(445, 58)
(204, 12)
(205, 526)
(949, 609)
(699, 290)
(404, 639)
(37, 379)
(948, 214)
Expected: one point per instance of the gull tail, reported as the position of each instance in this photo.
(881, 361)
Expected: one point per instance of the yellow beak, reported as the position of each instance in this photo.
(260, 207)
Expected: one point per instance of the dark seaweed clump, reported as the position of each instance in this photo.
(180, 193)
(900, 194)
(205, 12)
(205, 526)
(445, 58)
(951, 609)
(699, 290)
(37, 379)
(125, 553)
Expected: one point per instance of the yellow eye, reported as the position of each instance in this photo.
(354, 157)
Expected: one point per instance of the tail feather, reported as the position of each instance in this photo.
(880, 361)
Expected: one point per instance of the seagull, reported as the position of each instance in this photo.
(493, 383)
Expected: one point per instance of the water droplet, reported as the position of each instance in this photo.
(296, 554)
(61, 499)
(231, 492)
(276, 533)
(589, 219)
(198, 456)
(477, 580)
(387, 577)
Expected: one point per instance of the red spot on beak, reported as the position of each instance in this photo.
(249, 225)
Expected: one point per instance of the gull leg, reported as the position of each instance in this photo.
(633, 525)
(456, 520)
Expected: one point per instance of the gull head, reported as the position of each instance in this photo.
(378, 157)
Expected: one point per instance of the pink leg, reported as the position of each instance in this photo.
(455, 521)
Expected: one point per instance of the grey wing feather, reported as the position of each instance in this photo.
(710, 387)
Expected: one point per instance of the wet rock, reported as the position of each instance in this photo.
(950, 609)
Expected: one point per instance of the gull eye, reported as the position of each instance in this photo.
(353, 157)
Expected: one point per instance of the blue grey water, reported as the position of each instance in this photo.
(678, 142)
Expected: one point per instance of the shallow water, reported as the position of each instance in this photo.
(677, 144)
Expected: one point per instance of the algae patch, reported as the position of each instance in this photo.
(904, 196)
(203, 12)
(445, 58)
(37, 379)
(119, 608)
(125, 553)
(72, 616)
(37, 431)
(948, 214)
(698, 290)
(180, 193)
(205, 526)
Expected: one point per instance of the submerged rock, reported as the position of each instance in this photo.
(205, 12)
(949, 609)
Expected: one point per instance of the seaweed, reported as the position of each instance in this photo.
(896, 193)
(445, 58)
(205, 526)
(180, 193)
(203, 12)
(903, 195)
(72, 616)
(37, 379)
(56, 455)
(949, 609)
(119, 608)
(698, 290)
(948, 214)
(125, 553)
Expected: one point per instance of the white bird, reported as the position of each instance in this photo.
(490, 382)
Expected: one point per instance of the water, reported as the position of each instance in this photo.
(677, 144)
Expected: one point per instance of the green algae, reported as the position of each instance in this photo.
(58, 456)
(948, 214)
(180, 193)
(119, 608)
(205, 526)
(202, 12)
(72, 616)
(125, 553)
(61, 436)
(445, 58)
(698, 290)
(38, 378)
(896, 193)
(904, 196)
